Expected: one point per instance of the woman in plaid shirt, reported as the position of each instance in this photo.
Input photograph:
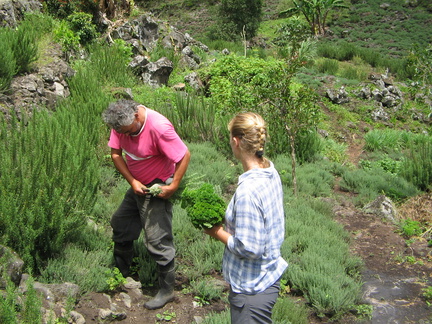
(254, 226)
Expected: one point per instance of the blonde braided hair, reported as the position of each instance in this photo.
(252, 131)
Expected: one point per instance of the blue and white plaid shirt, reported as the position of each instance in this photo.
(255, 217)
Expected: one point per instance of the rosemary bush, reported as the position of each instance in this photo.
(206, 289)
(321, 265)
(287, 311)
(45, 193)
(370, 183)
(24, 47)
(8, 67)
(17, 307)
(417, 167)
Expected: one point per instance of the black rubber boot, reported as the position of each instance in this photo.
(166, 287)
(123, 255)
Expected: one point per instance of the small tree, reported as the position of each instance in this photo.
(239, 17)
(420, 59)
(293, 107)
(315, 12)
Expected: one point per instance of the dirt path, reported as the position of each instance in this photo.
(394, 273)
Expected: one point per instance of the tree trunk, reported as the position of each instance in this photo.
(293, 161)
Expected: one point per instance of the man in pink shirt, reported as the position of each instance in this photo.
(153, 153)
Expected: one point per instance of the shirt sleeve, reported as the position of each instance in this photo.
(114, 140)
(249, 237)
(171, 145)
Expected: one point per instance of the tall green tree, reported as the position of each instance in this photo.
(239, 18)
(315, 12)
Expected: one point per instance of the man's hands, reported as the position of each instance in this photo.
(141, 190)
(138, 188)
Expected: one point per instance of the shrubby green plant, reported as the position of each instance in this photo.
(40, 24)
(192, 244)
(315, 12)
(143, 264)
(328, 277)
(292, 32)
(234, 80)
(17, 307)
(64, 35)
(328, 66)
(60, 9)
(315, 180)
(420, 60)
(334, 151)
(109, 64)
(90, 269)
(206, 289)
(18, 50)
(47, 207)
(81, 24)
(223, 172)
(410, 228)
(24, 47)
(369, 183)
(115, 279)
(387, 164)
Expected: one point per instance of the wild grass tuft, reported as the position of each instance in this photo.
(207, 289)
(288, 310)
(223, 317)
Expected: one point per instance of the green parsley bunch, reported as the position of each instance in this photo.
(204, 207)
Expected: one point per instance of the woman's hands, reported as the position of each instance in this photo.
(218, 233)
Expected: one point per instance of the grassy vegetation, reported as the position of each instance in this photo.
(65, 197)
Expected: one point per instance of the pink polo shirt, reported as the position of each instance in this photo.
(154, 152)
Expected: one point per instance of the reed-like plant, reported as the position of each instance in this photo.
(195, 118)
(8, 67)
(385, 140)
(328, 66)
(25, 47)
(417, 167)
(110, 65)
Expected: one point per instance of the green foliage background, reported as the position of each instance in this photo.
(58, 189)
